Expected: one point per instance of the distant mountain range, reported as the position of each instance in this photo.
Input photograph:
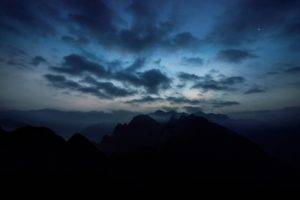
(187, 147)
(65, 123)
(276, 132)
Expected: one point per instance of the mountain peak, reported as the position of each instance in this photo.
(191, 118)
(77, 137)
(142, 120)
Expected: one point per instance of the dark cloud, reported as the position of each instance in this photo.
(183, 40)
(146, 99)
(154, 80)
(292, 70)
(78, 65)
(108, 88)
(271, 73)
(137, 64)
(96, 88)
(27, 14)
(114, 64)
(193, 60)
(208, 82)
(220, 104)
(19, 63)
(183, 100)
(61, 82)
(254, 90)
(212, 103)
(130, 78)
(144, 32)
(94, 16)
(14, 56)
(155, 37)
(139, 28)
(188, 77)
(226, 83)
(81, 40)
(191, 105)
(192, 109)
(38, 60)
(234, 55)
(13, 51)
(249, 20)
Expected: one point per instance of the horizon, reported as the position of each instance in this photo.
(188, 110)
(100, 55)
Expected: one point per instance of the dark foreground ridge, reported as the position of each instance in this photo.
(188, 148)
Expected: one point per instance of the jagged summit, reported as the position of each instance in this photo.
(77, 137)
(192, 118)
(142, 120)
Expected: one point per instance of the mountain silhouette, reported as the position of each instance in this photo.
(200, 148)
(30, 148)
(144, 150)
(141, 133)
(96, 131)
(84, 155)
(188, 147)
(40, 150)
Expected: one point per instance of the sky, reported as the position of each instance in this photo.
(218, 55)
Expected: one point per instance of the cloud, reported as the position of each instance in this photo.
(14, 56)
(38, 60)
(108, 88)
(146, 99)
(188, 77)
(193, 61)
(208, 82)
(192, 109)
(102, 90)
(139, 27)
(77, 65)
(183, 100)
(234, 55)
(220, 104)
(226, 83)
(20, 16)
(94, 16)
(255, 90)
(209, 102)
(154, 80)
(292, 70)
(137, 64)
(61, 82)
(250, 20)
(144, 32)
(81, 40)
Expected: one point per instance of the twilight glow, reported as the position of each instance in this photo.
(219, 55)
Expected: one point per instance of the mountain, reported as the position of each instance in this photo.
(33, 149)
(64, 123)
(96, 132)
(84, 155)
(145, 151)
(141, 133)
(10, 124)
(201, 148)
(40, 150)
(242, 126)
(189, 147)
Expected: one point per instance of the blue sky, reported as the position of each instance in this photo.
(220, 56)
